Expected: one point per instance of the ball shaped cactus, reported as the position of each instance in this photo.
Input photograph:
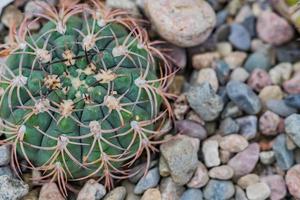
(85, 96)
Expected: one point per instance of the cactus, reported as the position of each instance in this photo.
(81, 98)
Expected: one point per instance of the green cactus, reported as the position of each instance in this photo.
(81, 97)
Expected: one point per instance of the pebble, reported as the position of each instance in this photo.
(244, 162)
(12, 15)
(280, 108)
(293, 101)
(223, 172)
(234, 143)
(239, 74)
(221, 17)
(32, 195)
(248, 126)
(225, 156)
(129, 190)
(191, 128)
(164, 170)
(247, 180)
(150, 180)
(5, 154)
(208, 75)
(231, 110)
(257, 44)
(240, 37)
(6, 170)
(91, 190)
(218, 190)
(178, 55)
(268, 123)
(259, 79)
(292, 86)
(118, 193)
(11, 188)
(273, 29)
(243, 96)
(258, 191)
(292, 180)
(139, 171)
(284, 157)
(205, 60)
(224, 48)
(211, 153)
(151, 194)
(260, 59)
(170, 190)
(183, 23)
(243, 13)
(240, 194)
(270, 92)
(277, 185)
(50, 191)
(192, 194)
(235, 59)
(32, 8)
(228, 126)
(200, 178)
(204, 100)
(292, 128)
(250, 24)
(128, 5)
(181, 157)
(281, 72)
(288, 53)
(267, 157)
(222, 71)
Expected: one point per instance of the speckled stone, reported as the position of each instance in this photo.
(218, 190)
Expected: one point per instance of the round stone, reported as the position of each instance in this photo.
(248, 180)
(223, 172)
(292, 180)
(258, 191)
(233, 143)
(218, 190)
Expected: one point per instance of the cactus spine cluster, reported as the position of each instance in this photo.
(82, 97)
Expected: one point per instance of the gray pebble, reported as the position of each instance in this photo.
(150, 180)
(192, 194)
(12, 189)
(228, 126)
(259, 59)
(248, 126)
(218, 190)
(4, 155)
(292, 128)
(284, 157)
(280, 108)
(239, 37)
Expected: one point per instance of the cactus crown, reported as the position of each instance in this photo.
(81, 97)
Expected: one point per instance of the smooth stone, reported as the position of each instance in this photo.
(277, 185)
(273, 29)
(244, 162)
(5, 154)
(280, 108)
(222, 71)
(211, 153)
(228, 126)
(164, 170)
(152, 194)
(258, 191)
(239, 74)
(222, 33)
(225, 156)
(235, 59)
(181, 156)
(268, 123)
(240, 194)
(292, 128)
(191, 128)
(221, 17)
(50, 191)
(288, 53)
(259, 59)
(259, 79)
(118, 193)
(292, 86)
(234, 143)
(192, 194)
(129, 190)
(150, 180)
(292, 180)
(239, 37)
(200, 178)
(208, 75)
(12, 15)
(231, 110)
(183, 23)
(248, 126)
(204, 100)
(223, 172)
(284, 157)
(170, 190)
(224, 48)
(128, 5)
(267, 157)
(247, 180)
(293, 101)
(243, 13)
(270, 92)
(250, 25)
(281, 72)
(205, 60)
(139, 171)
(11, 188)
(92, 190)
(218, 190)
(258, 44)
(243, 96)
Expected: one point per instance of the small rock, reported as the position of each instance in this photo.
(235, 59)
(284, 157)
(208, 75)
(4, 155)
(257, 44)
(129, 190)
(183, 23)
(181, 157)
(6, 170)
(92, 190)
(200, 178)
(127, 5)
(234, 6)
(50, 191)
(192, 194)
(223, 172)
(260, 59)
(250, 25)
(228, 126)
(292, 86)
(224, 48)
(239, 74)
(139, 171)
(12, 15)
(150, 180)
(178, 55)
(118, 193)
(247, 180)
(32, 9)
(211, 153)
(11, 188)
(239, 37)
(243, 13)
(221, 17)
(280, 108)
(292, 128)
(281, 72)
(32, 195)
(274, 29)
(170, 190)
(288, 53)
(151, 194)
(267, 157)
(277, 185)
(259, 79)
(292, 180)
(191, 128)
(234, 143)
(222, 71)
(245, 161)
(240, 194)
(270, 92)
(225, 156)
(218, 190)
(258, 191)
(164, 170)
(268, 123)
(242, 95)
(248, 126)
(231, 110)
(293, 101)
(205, 60)
(203, 99)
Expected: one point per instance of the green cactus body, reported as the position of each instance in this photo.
(81, 97)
